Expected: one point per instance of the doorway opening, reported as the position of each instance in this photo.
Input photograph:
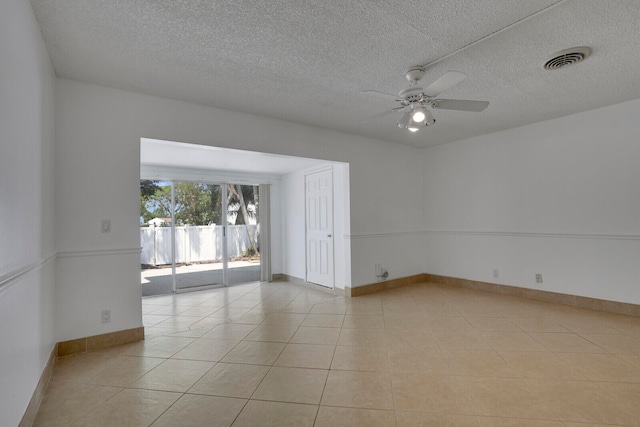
(280, 210)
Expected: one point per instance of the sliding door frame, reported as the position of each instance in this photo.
(265, 255)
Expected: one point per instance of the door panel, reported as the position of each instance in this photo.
(243, 251)
(319, 227)
(198, 215)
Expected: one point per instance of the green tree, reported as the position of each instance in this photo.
(147, 190)
(195, 204)
(238, 194)
(199, 204)
(160, 203)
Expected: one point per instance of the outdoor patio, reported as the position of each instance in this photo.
(158, 280)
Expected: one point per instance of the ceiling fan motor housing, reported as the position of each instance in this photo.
(413, 94)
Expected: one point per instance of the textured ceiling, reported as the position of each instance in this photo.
(307, 61)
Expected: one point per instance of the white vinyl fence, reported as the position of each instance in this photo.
(201, 243)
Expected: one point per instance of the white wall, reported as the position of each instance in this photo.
(276, 212)
(560, 198)
(294, 230)
(341, 225)
(98, 134)
(27, 250)
(293, 225)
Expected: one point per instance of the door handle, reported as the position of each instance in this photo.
(328, 235)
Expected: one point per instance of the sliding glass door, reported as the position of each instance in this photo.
(243, 249)
(198, 235)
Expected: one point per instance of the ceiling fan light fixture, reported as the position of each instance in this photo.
(419, 114)
(429, 119)
(405, 120)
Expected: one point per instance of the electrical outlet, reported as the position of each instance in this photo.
(496, 273)
(106, 316)
(538, 278)
(106, 226)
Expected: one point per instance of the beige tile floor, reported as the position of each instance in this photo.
(423, 355)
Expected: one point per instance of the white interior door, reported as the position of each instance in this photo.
(319, 227)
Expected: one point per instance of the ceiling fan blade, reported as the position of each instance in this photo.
(378, 116)
(447, 81)
(460, 104)
(378, 93)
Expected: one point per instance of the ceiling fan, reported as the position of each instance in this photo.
(416, 102)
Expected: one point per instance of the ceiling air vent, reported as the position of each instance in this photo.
(567, 57)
